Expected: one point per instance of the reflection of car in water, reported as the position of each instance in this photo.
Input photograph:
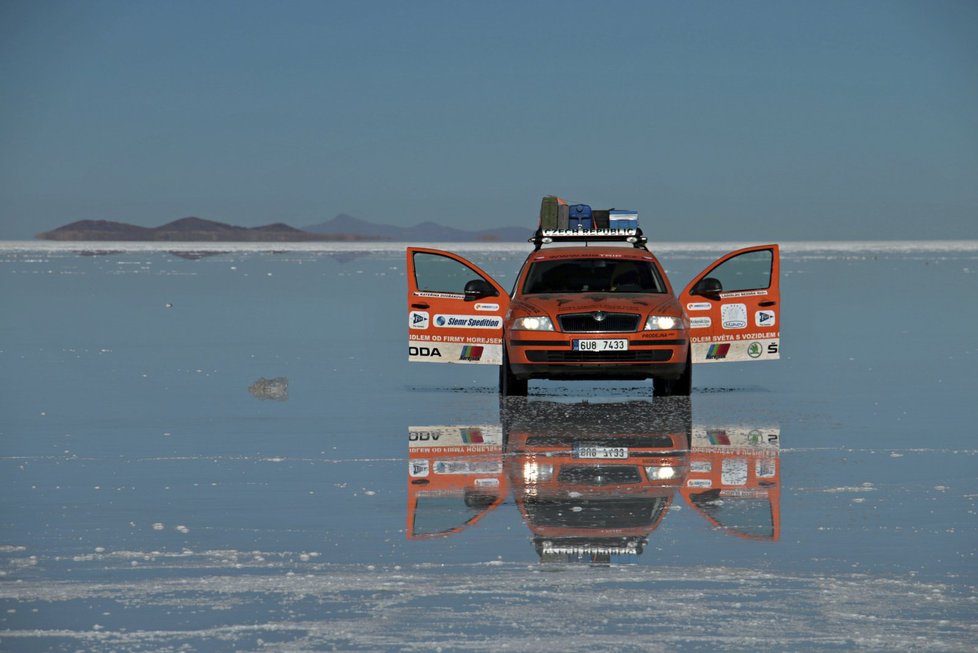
(455, 477)
(593, 480)
(734, 480)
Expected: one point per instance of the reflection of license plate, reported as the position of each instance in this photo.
(585, 451)
(600, 345)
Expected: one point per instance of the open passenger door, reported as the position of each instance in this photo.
(455, 310)
(734, 307)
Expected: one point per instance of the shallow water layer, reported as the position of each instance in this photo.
(229, 451)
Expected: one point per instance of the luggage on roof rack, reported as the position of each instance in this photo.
(580, 217)
(560, 221)
(550, 213)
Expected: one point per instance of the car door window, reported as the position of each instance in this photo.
(435, 273)
(748, 271)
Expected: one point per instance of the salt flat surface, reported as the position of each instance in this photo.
(150, 501)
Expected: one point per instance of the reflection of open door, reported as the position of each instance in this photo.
(734, 480)
(734, 307)
(455, 478)
(455, 310)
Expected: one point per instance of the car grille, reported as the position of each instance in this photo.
(599, 474)
(589, 512)
(631, 356)
(587, 323)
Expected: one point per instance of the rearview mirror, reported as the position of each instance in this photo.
(477, 289)
(710, 287)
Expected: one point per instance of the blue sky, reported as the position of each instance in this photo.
(715, 120)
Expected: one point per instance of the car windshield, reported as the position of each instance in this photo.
(593, 275)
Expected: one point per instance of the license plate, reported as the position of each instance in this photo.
(603, 453)
(600, 345)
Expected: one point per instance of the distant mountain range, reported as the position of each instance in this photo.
(424, 232)
(341, 228)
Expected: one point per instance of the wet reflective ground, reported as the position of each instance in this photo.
(230, 452)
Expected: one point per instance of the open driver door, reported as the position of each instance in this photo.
(455, 310)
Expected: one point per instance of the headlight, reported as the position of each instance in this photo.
(663, 323)
(534, 472)
(535, 323)
(660, 473)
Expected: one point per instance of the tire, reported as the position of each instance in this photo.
(509, 385)
(680, 387)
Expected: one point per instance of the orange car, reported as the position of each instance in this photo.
(605, 310)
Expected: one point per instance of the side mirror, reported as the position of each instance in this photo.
(477, 289)
(710, 287)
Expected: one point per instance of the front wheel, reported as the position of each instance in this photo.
(680, 387)
(509, 385)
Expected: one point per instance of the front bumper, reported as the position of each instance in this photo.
(549, 355)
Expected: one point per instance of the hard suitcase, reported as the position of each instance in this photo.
(599, 218)
(563, 217)
(624, 219)
(548, 213)
(580, 217)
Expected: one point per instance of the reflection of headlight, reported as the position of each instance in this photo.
(534, 472)
(535, 323)
(663, 323)
(660, 473)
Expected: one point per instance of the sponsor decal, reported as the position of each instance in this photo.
(701, 466)
(718, 437)
(718, 352)
(765, 318)
(471, 353)
(487, 482)
(733, 471)
(765, 468)
(468, 322)
(471, 436)
(467, 467)
(734, 316)
(423, 436)
(699, 482)
(741, 346)
(431, 347)
(699, 306)
(418, 320)
(424, 352)
(743, 293)
(455, 439)
(700, 323)
(736, 440)
(486, 307)
(443, 295)
(419, 468)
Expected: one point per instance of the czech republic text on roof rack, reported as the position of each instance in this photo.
(545, 237)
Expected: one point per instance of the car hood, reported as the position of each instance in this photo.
(562, 303)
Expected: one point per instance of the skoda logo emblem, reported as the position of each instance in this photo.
(599, 316)
(754, 350)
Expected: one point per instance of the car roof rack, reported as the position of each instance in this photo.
(634, 236)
